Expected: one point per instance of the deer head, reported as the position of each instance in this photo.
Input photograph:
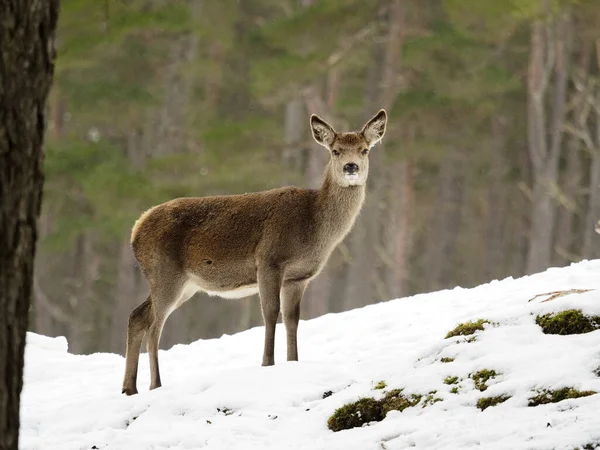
(349, 152)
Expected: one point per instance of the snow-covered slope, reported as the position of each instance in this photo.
(216, 395)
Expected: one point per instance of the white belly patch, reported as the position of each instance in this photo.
(241, 292)
(194, 283)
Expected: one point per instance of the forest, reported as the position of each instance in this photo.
(490, 166)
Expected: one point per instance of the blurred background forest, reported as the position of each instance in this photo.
(490, 166)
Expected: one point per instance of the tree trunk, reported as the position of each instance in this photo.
(371, 236)
(549, 47)
(26, 70)
(446, 222)
(495, 253)
(572, 205)
(591, 242)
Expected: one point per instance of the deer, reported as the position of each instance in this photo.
(271, 242)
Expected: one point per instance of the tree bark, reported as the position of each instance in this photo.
(549, 47)
(446, 221)
(495, 252)
(26, 70)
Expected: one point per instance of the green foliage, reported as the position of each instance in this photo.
(546, 396)
(467, 328)
(447, 360)
(570, 321)
(486, 402)
(451, 380)
(431, 399)
(367, 410)
(381, 385)
(395, 400)
(356, 414)
(481, 377)
(454, 390)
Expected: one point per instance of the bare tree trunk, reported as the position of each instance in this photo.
(372, 237)
(497, 206)
(549, 44)
(446, 222)
(571, 199)
(591, 241)
(86, 270)
(26, 71)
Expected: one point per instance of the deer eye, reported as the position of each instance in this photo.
(365, 151)
(335, 152)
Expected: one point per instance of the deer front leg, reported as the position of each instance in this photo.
(292, 298)
(269, 285)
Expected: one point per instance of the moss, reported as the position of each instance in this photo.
(447, 360)
(451, 380)
(467, 328)
(430, 399)
(381, 385)
(454, 390)
(486, 402)
(356, 414)
(589, 446)
(481, 377)
(396, 401)
(367, 410)
(570, 321)
(546, 396)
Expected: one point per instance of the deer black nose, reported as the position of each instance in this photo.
(350, 168)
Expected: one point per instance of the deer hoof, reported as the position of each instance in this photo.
(129, 391)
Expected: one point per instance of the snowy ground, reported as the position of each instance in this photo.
(74, 402)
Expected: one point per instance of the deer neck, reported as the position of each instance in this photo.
(338, 207)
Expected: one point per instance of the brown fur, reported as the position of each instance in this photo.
(272, 242)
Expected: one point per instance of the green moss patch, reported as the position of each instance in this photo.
(486, 402)
(381, 385)
(447, 360)
(546, 396)
(467, 328)
(395, 400)
(454, 390)
(430, 399)
(356, 414)
(589, 446)
(367, 410)
(451, 380)
(481, 378)
(570, 321)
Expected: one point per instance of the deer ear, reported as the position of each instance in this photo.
(374, 129)
(323, 133)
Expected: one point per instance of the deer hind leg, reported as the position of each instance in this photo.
(292, 293)
(167, 295)
(269, 286)
(139, 322)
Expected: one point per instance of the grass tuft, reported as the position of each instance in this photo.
(367, 410)
(381, 385)
(486, 402)
(396, 401)
(570, 321)
(356, 414)
(451, 380)
(467, 328)
(430, 399)
(447, 360)
(481, 378)
(546, 396)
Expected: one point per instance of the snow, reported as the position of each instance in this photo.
(215, 395)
